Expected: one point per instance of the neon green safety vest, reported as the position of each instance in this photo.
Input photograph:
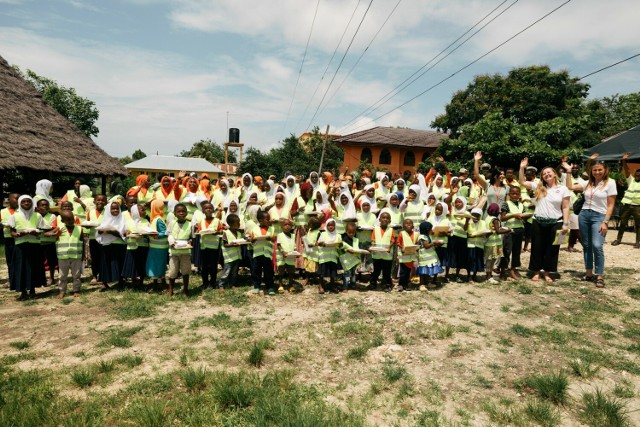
(445, 239)
(494, 239)
(413, 211)
(5, 214)
(514, 208)
(458, 227)
(382, 240)
(312, 239)
(328, 254)
(180, 232)
(301, 219)
(288, 244)
(78, 210)
(349, 260)
(365, 235)
(210, 241)
(231, 253)
(48, 222)
(262, 247)
(95, 217)
(160, 242)
(22, 224)
(69, 245)
(631, 195)
(426, 257)
(406, 238)
(474, 227)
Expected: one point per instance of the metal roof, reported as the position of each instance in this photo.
(163, 163)
(395, 137)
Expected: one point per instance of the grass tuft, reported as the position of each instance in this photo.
(194, 379)
(600, 410)
(20, 345)
(542, 413)
(84, 377)
(583, 368)
(119, 337)
(521, 331)
(551, 387)
(393, 372)
(256, 355)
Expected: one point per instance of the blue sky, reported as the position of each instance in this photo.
(165, 73)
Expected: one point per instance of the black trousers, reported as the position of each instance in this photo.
(512, 248)
(381, 266)
(544, 255)
(209, 263)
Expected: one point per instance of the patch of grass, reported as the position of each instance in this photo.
(393, 372)
(542, 413)
(521, 331)
(28, 399)
(583, 368)
(335, 316)
(84, 377)
(457, 349)
(429, 418)
(400, 339)
(634, 292)
(358, 352)
(599, 410)
(20, 345)
(194, 379)
(136, 305)
(524, 289)
(624, 390)
(292, 355)
(12, 359)
(218, 320)
(129, 360)
(482, 382)
(256, 355)
(233, 297)
(503, 415)
(444, 331)
(119, 337)
(105, 366)
(551, 387)
(148, 413)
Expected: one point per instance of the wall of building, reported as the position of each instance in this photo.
(353, 153)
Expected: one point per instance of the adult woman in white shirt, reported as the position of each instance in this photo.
(599, 199)
(550, 216)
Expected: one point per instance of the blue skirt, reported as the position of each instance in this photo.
(135, 262)
(431, 270)
(476, 260)
(157, 262)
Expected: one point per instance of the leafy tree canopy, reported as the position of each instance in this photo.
(78, 110)
(531, 112)
(209, 150)
(294, 156)
(622, 113)
(138, 154)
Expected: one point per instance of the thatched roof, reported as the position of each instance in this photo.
(35, 136)
(398, 137)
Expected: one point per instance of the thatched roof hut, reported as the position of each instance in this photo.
(35, 136)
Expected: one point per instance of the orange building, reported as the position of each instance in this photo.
(393, 149)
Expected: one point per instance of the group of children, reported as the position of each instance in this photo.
(317, 227)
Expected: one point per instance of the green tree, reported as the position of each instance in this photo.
(622, 113)
(531, 112)
(78, 110)
(209, 150)
(138, 154)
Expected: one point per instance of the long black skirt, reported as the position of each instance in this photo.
(95, 250)
(135, 262)
(28, 267)
(112, 262)
(457, 253)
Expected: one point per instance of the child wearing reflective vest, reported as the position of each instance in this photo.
(137, 244)
(382, 244)
(511, 214)
(311, 250)
(156, 266)
(406, 259)
(209, 228)
(179, 238)
(9, 241)
(262, 237)
(428, 263)
(348, 259)
(48, 240)
(111, 236)
(328, 243)
(231, 252)
(457, 251)
(27, 254)
(366, 223)
(475, 243)
(95, 216)
(286, 244)
(493, 245)
(69, 249)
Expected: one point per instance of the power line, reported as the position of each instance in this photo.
(330, 60)
(609, 66)
(361, 55)
(340, 64)
(399, 88)
(304, 56)
(468, 65)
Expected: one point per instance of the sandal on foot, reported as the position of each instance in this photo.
(615, 242)
(548, 279)
(588, 278)
(600, 283)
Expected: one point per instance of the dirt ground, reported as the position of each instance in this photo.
(462, 347)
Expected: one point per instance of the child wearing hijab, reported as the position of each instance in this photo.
(440, 218)
(48, 240)
(382, 240)
(493, 245)
(43, 191)
(457, 253)
(475, 243)
(349, 259)
(393, 209)
(368, 194)
(141, 190)
(210, 229)
(9, 241)
(279, 212)
(27, 255)
(413, 207)
(263, 253)
(95, 217)
(111, 236)
(366, 223)
(328, 243)
(137, 245)
(428, 262)
(346, 210)
(406, 259)
(158, 244)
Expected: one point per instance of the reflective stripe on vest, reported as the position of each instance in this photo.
(474, 227)
(327, 254)
(301, 219)
(365, 235)
(494, 239)
(48, 222)
(513, 208)
(288, 244)
(311, 238)
(5, 214)
(426, 257)
(22, 224)
(95, 218)
(69, 245)
(180, 232)
(349, 260)
(383, 241)
(262, 247)
(632, 194)
(210, 241)
(414, 212)
(406, 238)
(231, 253)
(161, 242)
(458, 228)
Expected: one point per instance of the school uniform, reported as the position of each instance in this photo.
(457, 253)
(209, 251)
(475, 246)
(262, 257)
(48, 244)
(179, 258)
(428, 261)
(328, 255)
(382, 260)
(512, 242)
(157, 257)
(9, 241)
(95, 249)
(406, 261)
(137, 249)
(28, 271)
(349, 261)
(69, 252)
(232, 256)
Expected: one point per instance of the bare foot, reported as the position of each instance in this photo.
(536, 278)
(548, 278)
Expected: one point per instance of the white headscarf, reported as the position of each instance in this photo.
(43, 189)
(27, 214)
(271, 192)
(350, 209)
(135, 214)
(290, 192)
(117, 222)
(464, 206)
(324, 204)
(424, 191)
(437, 219)
(395, 186)
(329, 236)
(250, 187)
(317, 184)
(85, 191)
(371, 200)
(227, 203)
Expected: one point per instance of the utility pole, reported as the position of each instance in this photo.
(324, 147)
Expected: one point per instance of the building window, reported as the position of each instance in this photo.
(385, 157)
(366, 156)
(409, 158)
(425, 157)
